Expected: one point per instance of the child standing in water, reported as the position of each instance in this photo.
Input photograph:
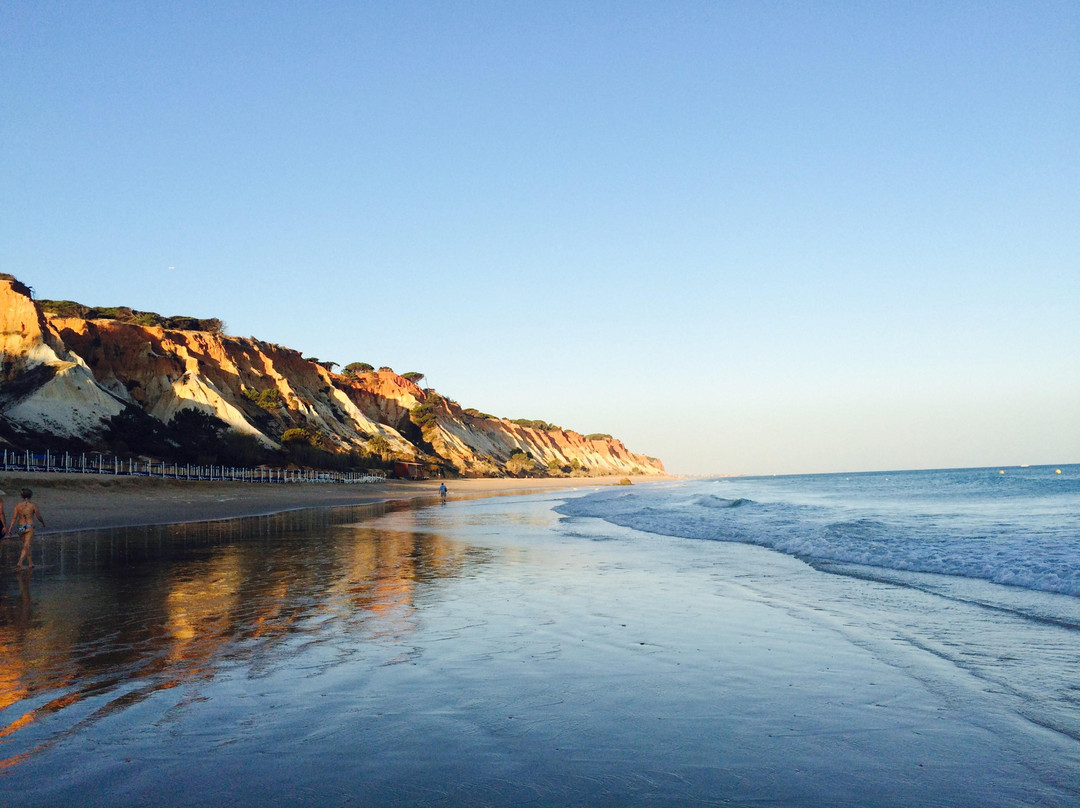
(22, 525)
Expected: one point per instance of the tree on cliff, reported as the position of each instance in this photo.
(424, 415)
(520, 462)
(132, 430)
(325, 364)
(413, 376)
(301, 435)
(356, 368)
(379, 445)
(197, 435)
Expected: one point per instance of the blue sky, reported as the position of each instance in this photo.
(743, 237)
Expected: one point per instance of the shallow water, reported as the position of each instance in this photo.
(493, 653)
(1019, 527)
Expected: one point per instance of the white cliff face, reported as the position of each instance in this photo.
(70, 404)
(44, 387)
(67, 376)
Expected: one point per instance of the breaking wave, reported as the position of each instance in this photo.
(975, 523)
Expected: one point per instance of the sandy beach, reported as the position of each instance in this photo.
(87, 501)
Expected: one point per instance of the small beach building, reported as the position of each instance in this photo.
(408, 471)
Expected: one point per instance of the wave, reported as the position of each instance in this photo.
(713, 501)
(1005, 545)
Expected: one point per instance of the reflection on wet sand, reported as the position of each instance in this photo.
(110, 618)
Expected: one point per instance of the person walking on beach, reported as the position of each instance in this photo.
(22, 519)
(442, 490)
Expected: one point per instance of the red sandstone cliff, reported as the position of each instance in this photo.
(66, 376)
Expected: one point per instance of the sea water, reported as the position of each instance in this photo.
(1018, 527)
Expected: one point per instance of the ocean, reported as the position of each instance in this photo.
(1018, 527)
(868, 640)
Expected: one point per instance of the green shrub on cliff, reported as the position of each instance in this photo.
(301, 435)
(598, 436)
(424, 415)
(268, 399)
(520, 462)
(64, 308)
(123, 314)
(541, 426)
(379, 446)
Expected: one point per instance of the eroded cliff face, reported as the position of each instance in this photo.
(67, 376)
(164, 371)
(482, 445)
(44, 387)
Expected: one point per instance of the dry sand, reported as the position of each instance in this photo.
(85, 501)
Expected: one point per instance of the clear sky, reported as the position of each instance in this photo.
(744, 237)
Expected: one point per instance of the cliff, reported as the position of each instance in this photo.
(68, 377)
(45, 387)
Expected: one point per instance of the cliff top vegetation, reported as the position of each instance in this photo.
(542, 426)
(123, 314)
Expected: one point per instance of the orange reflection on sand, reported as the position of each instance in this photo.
(276, 594)
(200, 610)
(109, 642)
(382, 570)
(12, 669)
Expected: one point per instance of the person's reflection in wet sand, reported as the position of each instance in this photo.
(24, 601)
(15, 614)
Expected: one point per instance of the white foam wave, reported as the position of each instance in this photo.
(1013, 545)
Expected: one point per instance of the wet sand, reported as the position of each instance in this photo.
(87, 501)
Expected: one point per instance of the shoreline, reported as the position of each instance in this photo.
(77, 501)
